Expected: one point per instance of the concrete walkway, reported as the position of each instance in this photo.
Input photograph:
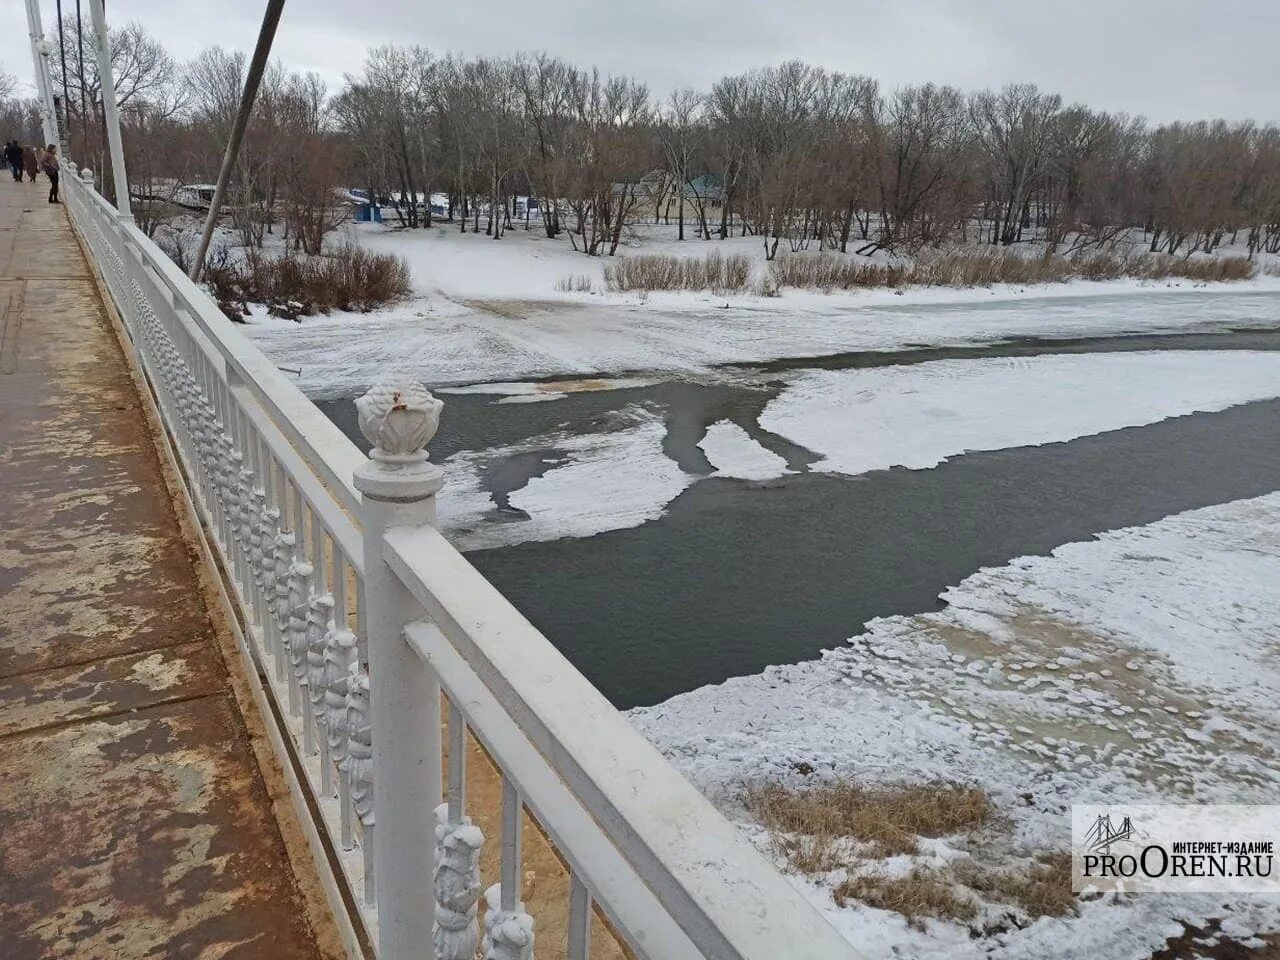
(135, 818)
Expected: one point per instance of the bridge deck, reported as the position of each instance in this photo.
(135, 817)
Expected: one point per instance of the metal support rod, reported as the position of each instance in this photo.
(257, 65)
(84, 108)
(66, 92)
(110, 111)
(39, 50)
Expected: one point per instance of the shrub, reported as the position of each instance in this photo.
(980, 268)
(650, 272)
(578, 283)
(292, 286)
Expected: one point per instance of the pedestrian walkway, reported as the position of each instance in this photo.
(135, 818)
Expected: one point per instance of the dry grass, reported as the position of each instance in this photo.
(922, 893)
(1044, 890)
(290, 286)
(649, 272)
(813, 828)
(814, 823)
(978, 268)
(578, 283)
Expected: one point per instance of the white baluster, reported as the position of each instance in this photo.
(282, 552)
(508, 930)
(269, 548)
(359, 770)
(296, 630)
(339, 654)
(579, 920)
(318, 644)
(319, 616)
(508, 934)
(458, 844)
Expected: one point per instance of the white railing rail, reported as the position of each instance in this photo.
(359, 614)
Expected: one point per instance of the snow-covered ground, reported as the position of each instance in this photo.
(487, 310)
(858, 420)
(1143, 666)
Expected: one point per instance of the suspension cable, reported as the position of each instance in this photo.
(66, 95)
(84, 110)
(270, 19)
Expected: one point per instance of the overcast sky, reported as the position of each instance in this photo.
(1167, 59)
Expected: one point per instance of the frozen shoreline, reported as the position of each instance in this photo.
(1142, 664)
(481, 315)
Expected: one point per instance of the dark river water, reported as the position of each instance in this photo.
(737, 575)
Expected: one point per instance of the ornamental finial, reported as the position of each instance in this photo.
(399, 417)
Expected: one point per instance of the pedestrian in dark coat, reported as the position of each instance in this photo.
(29, 162)
(13, 157)
(49, 164)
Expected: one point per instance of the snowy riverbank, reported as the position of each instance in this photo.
(489, 311)
(1140, 666)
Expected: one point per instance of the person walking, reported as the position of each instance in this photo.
(49, 164)
(13, 157)
(29, 162)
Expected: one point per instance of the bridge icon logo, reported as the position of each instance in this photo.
(1103, 834)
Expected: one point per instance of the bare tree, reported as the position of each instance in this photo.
(681, 133)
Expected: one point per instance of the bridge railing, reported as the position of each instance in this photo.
(381, 654)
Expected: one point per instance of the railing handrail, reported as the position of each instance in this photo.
(330, 451)
(726, 897)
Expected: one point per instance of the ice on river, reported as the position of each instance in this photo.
(619, 475)
(734, 454)
(588, 483)
(919, 415)
(1143, 665)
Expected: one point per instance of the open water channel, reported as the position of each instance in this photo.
(738, 575)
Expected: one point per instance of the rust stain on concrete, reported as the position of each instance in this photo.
(136, 819)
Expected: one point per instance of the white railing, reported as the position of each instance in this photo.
(357, 615)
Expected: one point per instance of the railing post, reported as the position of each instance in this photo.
(398, 486)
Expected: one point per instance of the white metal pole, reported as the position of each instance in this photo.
(39, 52)
(111, 113)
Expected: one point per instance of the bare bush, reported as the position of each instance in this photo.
(578, 283)
(292, 286)
(649, 272)
(984, 267)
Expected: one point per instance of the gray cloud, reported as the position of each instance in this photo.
(1167, 59)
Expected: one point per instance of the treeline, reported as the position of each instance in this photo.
(802, 156)
(799, 156)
